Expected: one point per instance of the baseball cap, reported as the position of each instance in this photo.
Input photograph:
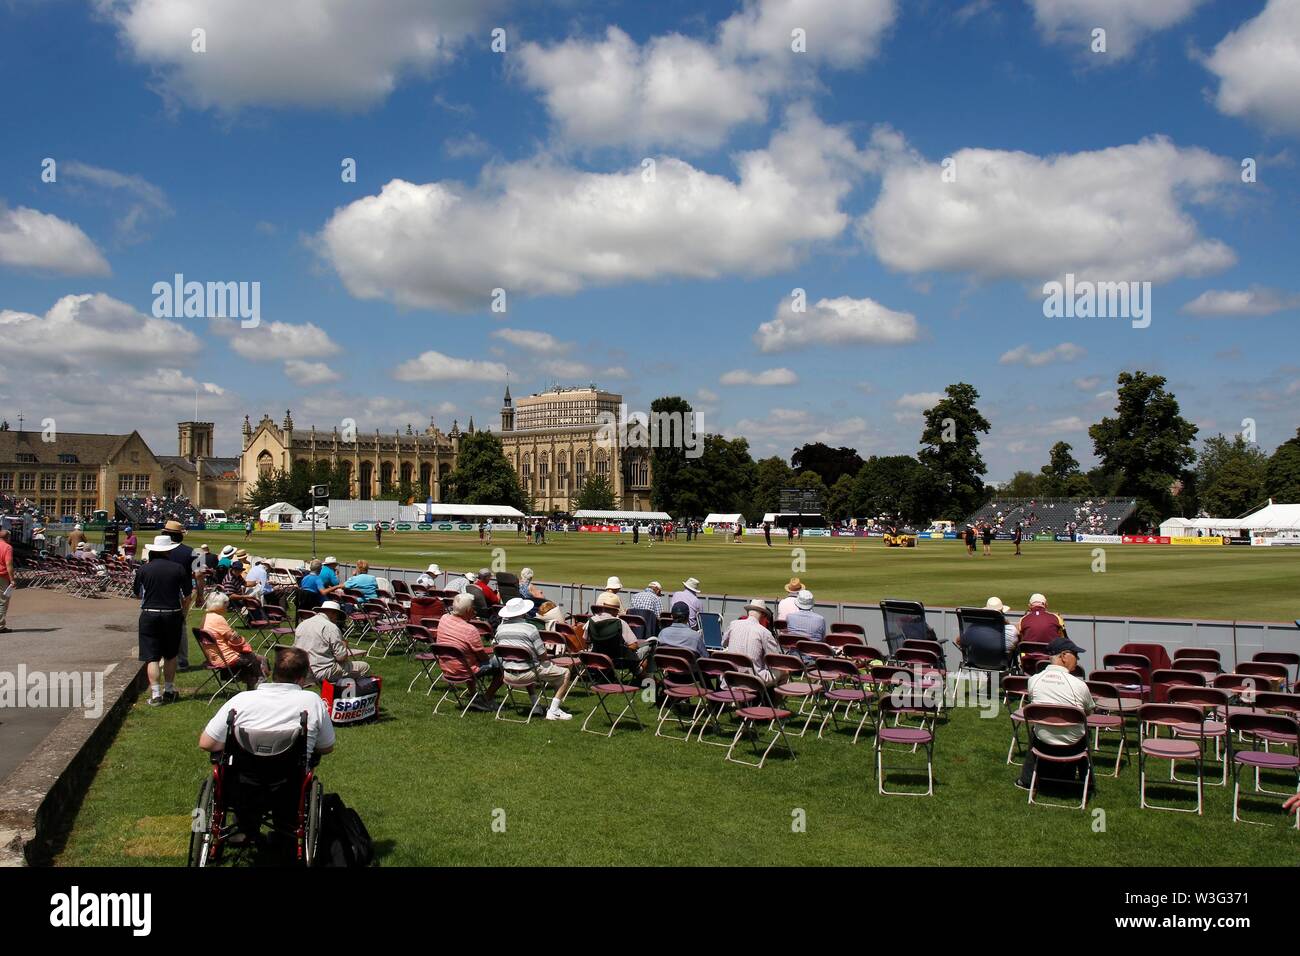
(1060, 645)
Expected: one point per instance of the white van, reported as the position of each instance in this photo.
(213, 516)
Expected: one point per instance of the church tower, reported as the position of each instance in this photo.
(507, 413)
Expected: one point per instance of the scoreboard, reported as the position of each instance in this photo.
(801, 501)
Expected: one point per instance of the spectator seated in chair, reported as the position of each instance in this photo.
(1038, 624)
(986, 637)
(455, 628)
(610, 635)
(232, 650)
(751, 637)
(429, 579)
(517, 631)
(328, 653)
(806, 622)
(363, 581)
(1055, 684)
(680, 634)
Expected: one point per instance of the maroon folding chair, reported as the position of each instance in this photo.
(797, 686)
(758, 709)
(844, 627)
(423, 607)
(1183, 747)
(1196, 653)
(1057, 716)
(809, 648)
(1243, 687)
(1109, 718)
(864, 655)
(1212, 703)
(680, 685)
(1129, 692)
(1202, 665)
(1138, 663)
(602, 680)
(907, 738)
(457, 687)
(1285, 658)
(721, 696)
(225, 675)
(1162, 679)
(420, 640)
(279, 628)
(1015, 691)
(1272, 677)
(1029, 654)
(1250, 727)
(841, 683)
(527, 683)
(840, 641)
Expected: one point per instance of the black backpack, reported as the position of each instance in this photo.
(344, 839)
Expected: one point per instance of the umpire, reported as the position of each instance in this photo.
(164, 587)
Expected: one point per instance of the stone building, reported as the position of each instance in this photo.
(555, 441)
(374, 461)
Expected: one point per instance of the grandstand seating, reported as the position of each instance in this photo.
(155, 509)
(1055, 515)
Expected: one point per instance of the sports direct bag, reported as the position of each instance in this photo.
(352, 699)
(344, 839)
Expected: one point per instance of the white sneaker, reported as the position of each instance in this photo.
(557, 714)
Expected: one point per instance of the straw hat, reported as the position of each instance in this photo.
(995, 604)
(692, 585)
(608, 599)
(794, 587)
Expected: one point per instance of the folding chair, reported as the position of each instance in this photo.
(1058, 716)
(811, 650)
(1172, 748)
(903, 619)
(839, 640)
(841, 683)
(1272, 677)
(1031, 655)
(223, 674)
(419, 636)
(1015, 687)
(720, 696)
(1109, 717)
(602, 680)
(844, 627)
(1195, 653)
(1249, 726)
(261, 626)
(457, 687)
(1285, 658)
(908, 739)
(1139, 664)
(864, 655)
(1127, 694)
(675, 671)
(758, 709)
(508, 654)
(797, 686)
(1163, 680)
(1211, 701)
(279, 628)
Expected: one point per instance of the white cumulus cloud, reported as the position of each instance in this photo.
(1117, 213)
(837, 322)
(1256, 300)
(41, 242)
(1258, 66)
(272, 341)
(93, 329)
(1024, 355)
(307, 374)
(771, 376)
(1126, 22)
(434, 366)
(537, 227)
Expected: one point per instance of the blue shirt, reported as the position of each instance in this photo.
(365, 583)
(312, 582)
(328, 578)
(808, 623)
(679, 635)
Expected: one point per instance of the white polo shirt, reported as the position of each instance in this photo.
(272, 707)
(1055, 685)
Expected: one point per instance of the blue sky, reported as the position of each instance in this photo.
(774, 169)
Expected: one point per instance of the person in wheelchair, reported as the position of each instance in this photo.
(279, 731)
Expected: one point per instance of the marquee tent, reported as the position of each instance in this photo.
(282, 512)
(606, 516)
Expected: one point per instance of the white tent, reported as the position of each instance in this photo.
(1273, 517)
(623, 515)
(442, 511)
(716, 519)
(282, 512)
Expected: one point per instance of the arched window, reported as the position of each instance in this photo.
(426, 478)
(171, 488)
(543, 470)
(526, 469)
(367, 488)
(386, 477)
(265, 464)
(407, 471)
(602, 463)
(346, 466)
(580, 468)
(561, 469)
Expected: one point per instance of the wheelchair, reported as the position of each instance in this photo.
(261, 779)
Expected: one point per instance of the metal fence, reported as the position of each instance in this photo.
(1098, 635)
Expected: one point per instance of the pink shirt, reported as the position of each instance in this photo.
(461, 633)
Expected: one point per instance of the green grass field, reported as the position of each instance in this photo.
(430, 788)
(1257, 584)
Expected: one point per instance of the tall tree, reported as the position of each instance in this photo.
(1023, 484)
(1055, 477)
(1230, 476)
(892, 487)
(1148, 443)
(773, 474)
(667, 463)
(839, 498)
(950, 452)
(1282, 476)
(597, 494)
(722, 479)
(829, 463)
(483, 475)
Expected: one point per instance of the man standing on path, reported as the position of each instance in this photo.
(6, 579)
(164, 588)
(183, 555)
